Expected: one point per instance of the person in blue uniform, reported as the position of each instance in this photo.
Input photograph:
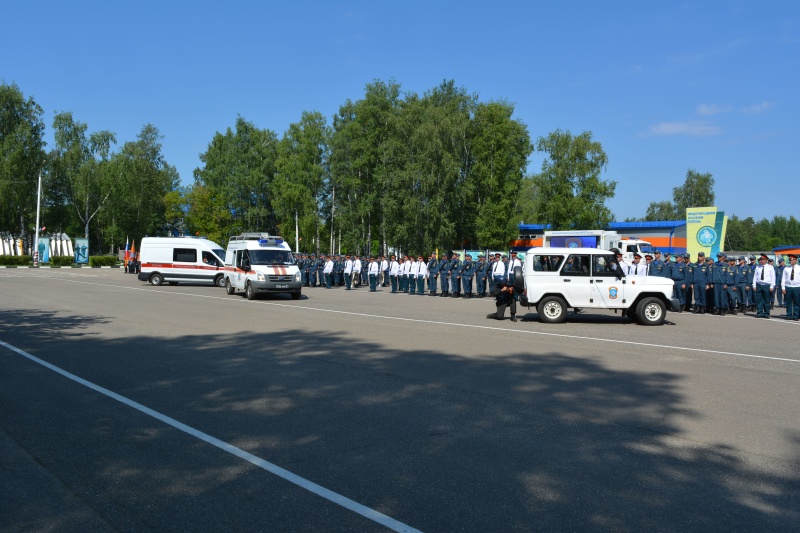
(741, 282)
(731, 291)
(656, 266)
(688, 293)
(778, 293)
(433, 274)
(455, 276)
(444, 274)
(700, 283)
(717, 278)
(480, 276)
(749, 292)
(312, 270)
(677, 274)
(467, 273)
(763, 284)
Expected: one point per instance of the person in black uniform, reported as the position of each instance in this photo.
(504, 297)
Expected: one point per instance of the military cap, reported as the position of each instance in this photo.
(741, 258)
(480, 256)
(720, 254)
(637, 254)
(657, 252)
(701, 254)
(687, 256)
(464, 256)
(792, 255)
(616, 251)
(764, 256)
(781, 262)
(648, 255)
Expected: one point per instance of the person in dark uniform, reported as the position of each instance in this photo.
(481, 270)
(729, 285)
(455, 276)
(677, 274)
(700, 283)
(718, 278)
(504, 297)
(467, 273)
(444, 274)
(688, 293)
(433, 274)
(656, 266)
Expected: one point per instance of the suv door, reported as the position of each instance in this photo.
(576, 276)
(608, 289)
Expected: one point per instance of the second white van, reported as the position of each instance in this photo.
(181, 259)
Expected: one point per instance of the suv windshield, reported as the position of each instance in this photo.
(271, 257)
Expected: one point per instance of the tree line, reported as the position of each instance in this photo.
(391, 170)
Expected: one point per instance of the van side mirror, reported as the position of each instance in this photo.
(246, 265)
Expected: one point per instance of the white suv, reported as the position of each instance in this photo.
(555, 279)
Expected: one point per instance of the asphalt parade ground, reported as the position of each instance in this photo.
(128, 407)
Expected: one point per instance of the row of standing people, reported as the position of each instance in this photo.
(729, 285)
(448, 276)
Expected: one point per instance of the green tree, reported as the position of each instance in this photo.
(299, 185)
(697, 191)
(81, 163)
(239, 167)
(22, 158)
(144, 178)
(500, 147)
(661, 211)
(571, 193)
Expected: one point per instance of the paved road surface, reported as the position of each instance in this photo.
(386, 412)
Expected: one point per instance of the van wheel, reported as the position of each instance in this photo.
(249, 291)
(219, 281)
(552, 310)
(295, 296)
(650, 312)
(156, 279)
(228, 287)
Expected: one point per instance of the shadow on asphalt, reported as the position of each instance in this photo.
(519, 440)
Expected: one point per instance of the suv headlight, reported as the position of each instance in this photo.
(260, 277)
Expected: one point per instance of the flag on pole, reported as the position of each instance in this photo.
(127, 252)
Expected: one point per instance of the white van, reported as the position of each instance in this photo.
(181, 259)
(261, 263)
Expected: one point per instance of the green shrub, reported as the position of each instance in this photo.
(66, 260)
(16, 260)
(102, 260)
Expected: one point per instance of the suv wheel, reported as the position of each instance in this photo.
(219, 281)
(156, 279)
(552, 310)
(650, 312)
(228, 287)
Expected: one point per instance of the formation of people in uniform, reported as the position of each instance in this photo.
(445, 276)
(729, 285)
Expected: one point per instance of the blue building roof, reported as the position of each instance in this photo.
(616, 225)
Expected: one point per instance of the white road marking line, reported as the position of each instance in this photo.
(453, 324)
(301, 482)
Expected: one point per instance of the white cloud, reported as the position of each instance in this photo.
(712, 109)
(694, 128)
(758, 108)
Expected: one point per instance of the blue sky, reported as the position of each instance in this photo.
(665, 87)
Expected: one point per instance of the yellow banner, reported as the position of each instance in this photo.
(705, 231)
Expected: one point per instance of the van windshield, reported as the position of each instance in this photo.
(271, 257)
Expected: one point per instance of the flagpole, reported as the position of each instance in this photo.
(38, 209)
